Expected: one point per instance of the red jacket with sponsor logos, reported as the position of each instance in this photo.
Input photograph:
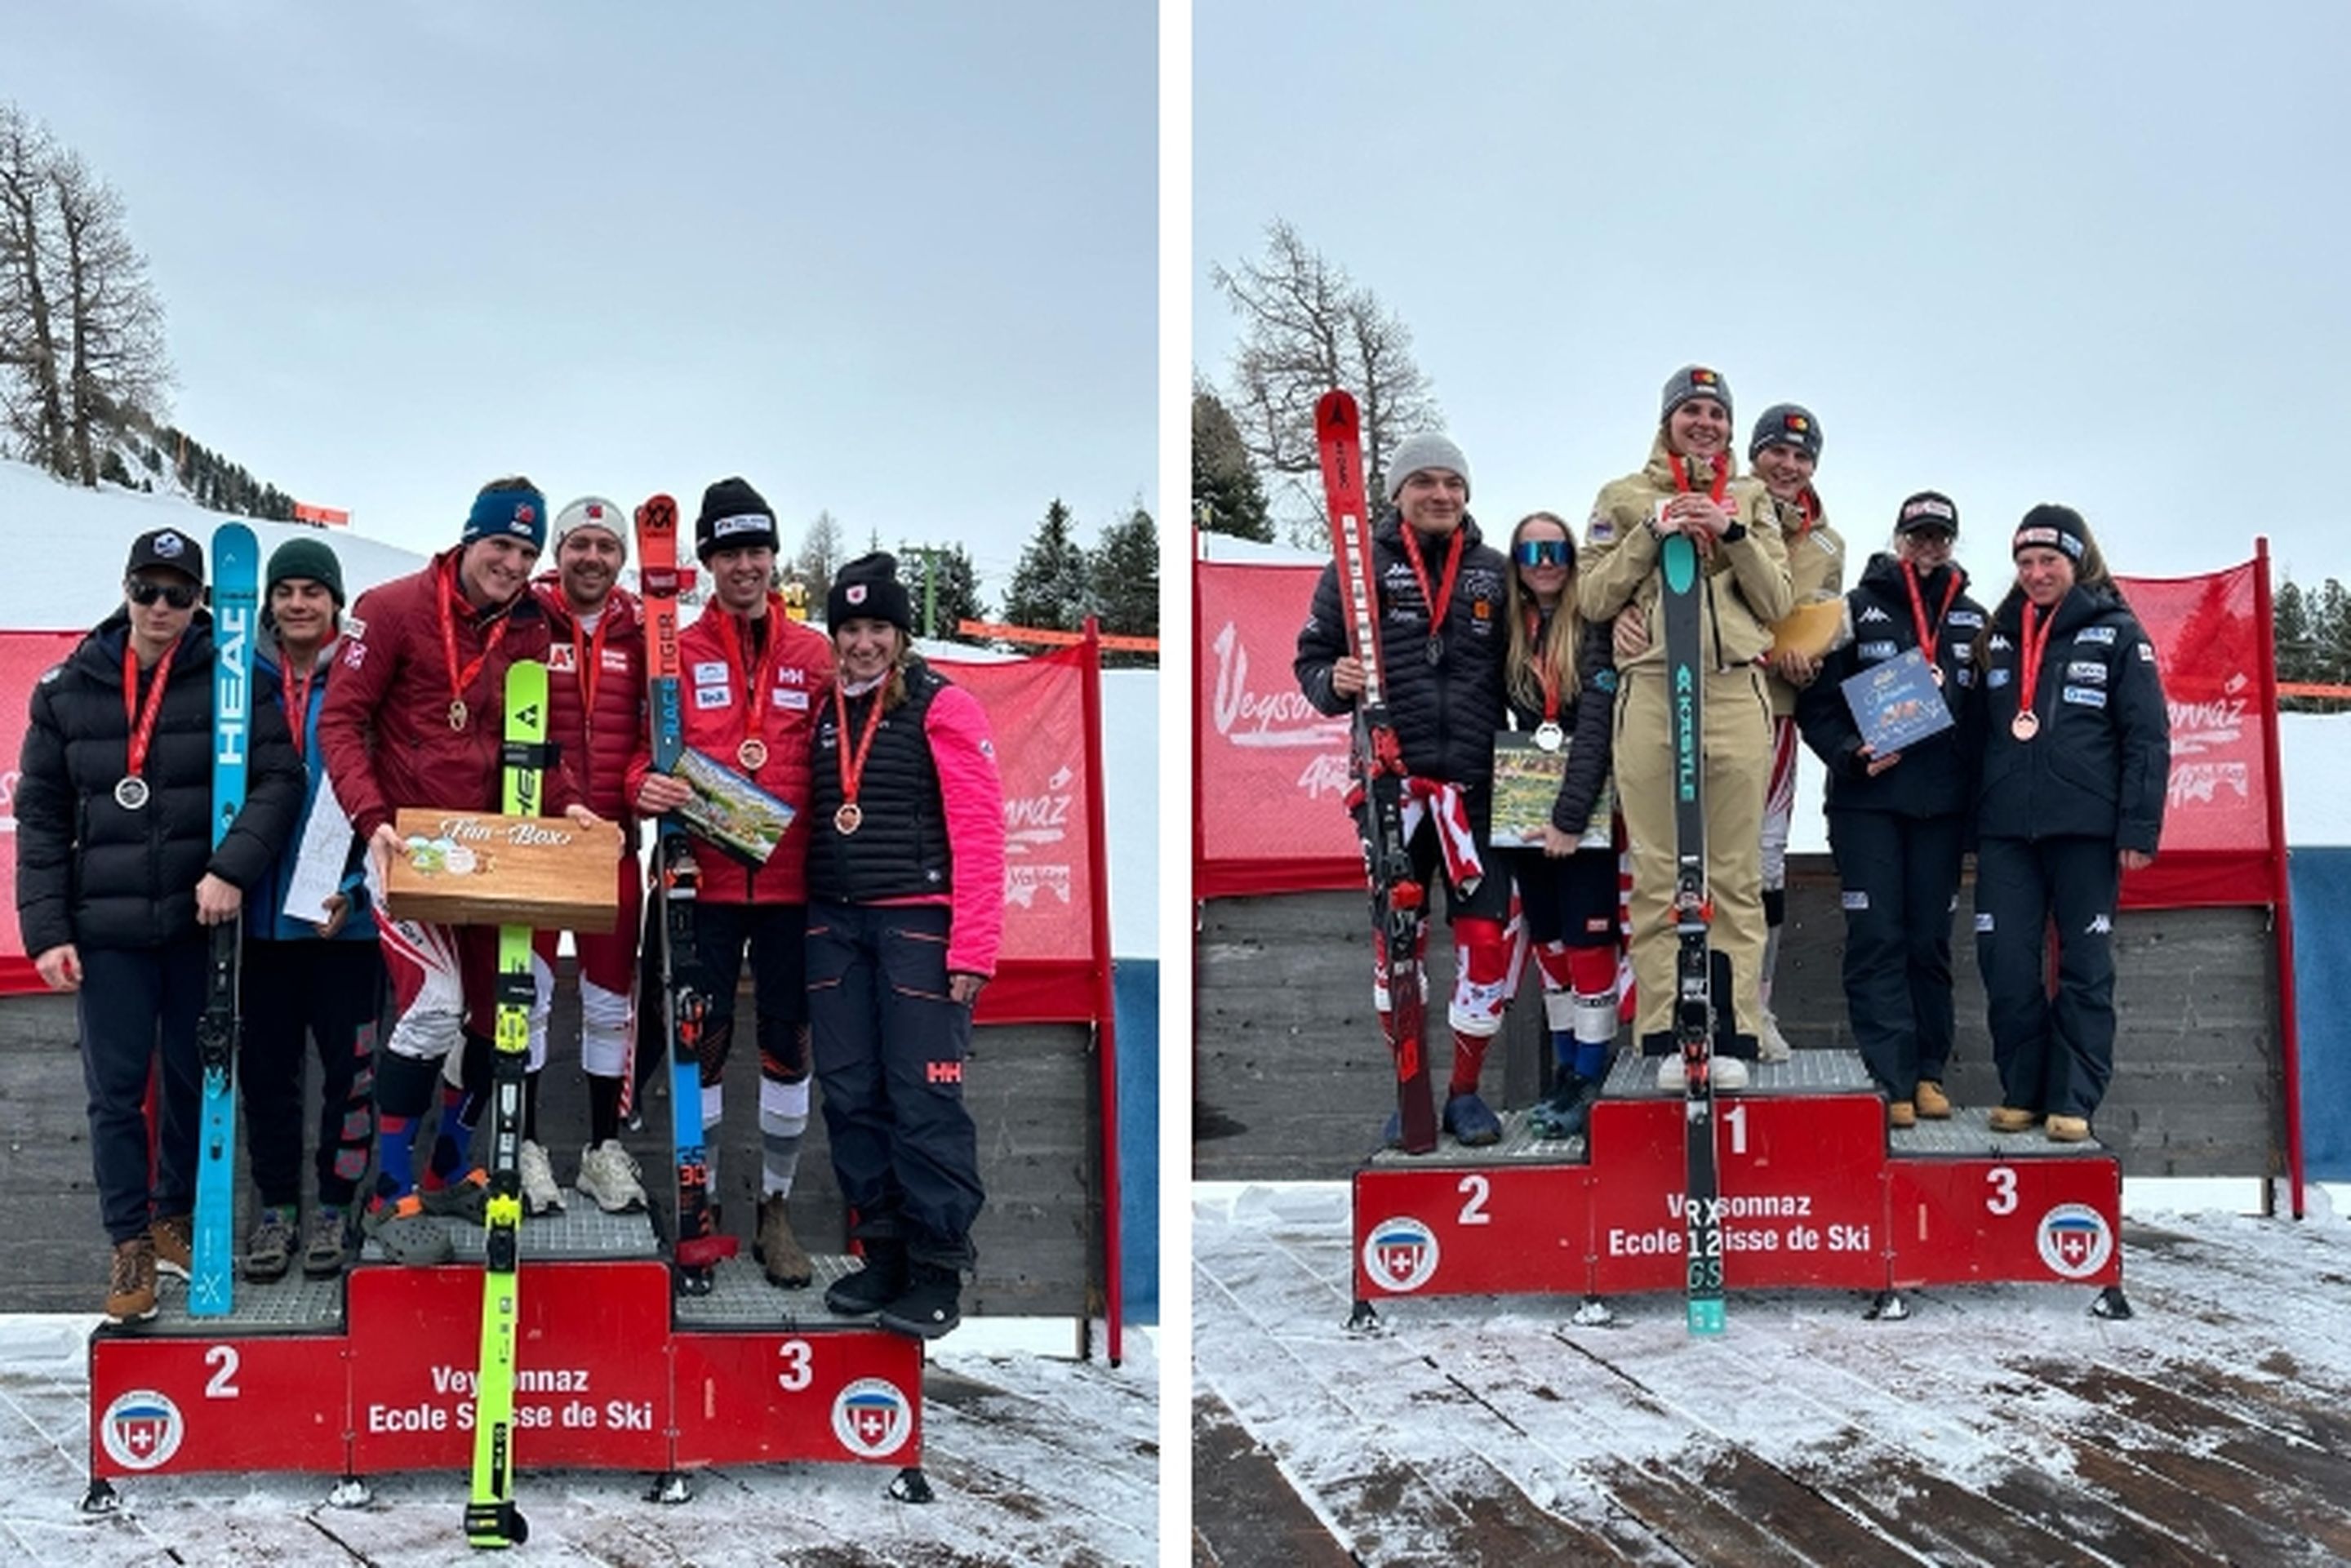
(711, 681)
(385, 727)
(596, 697)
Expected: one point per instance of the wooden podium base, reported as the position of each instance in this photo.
(1817, 1193)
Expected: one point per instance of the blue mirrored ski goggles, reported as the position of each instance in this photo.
(1543, 552)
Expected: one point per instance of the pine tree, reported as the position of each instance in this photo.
(945, 588)
(1050, 590)
(1126, 583)
(1225, 495)
(2290, 617)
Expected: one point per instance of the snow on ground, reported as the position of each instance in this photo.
(1033, 1461)
(2000, 1424)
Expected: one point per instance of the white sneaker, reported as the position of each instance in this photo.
(608, 1175)
(1730, 1073)
(1771, 1045)
(539, 1192)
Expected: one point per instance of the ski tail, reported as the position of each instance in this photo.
(491, 1516)
(1399, 903)
(236, 618)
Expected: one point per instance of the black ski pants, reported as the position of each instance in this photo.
(776, 935)
(134, 1004)
(2055, 1053)
(330, 993)
(1897, 876)
(890, 1051)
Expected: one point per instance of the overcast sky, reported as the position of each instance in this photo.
(2088, 252)
(893, 261)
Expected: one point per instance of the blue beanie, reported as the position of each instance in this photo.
(507, 508)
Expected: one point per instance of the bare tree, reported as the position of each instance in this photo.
(1310, 328)
(118, 367)
(819, 556)
(32, 392)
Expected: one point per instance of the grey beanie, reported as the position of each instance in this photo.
(1694, 381)
(1786, 425)
(1426, 449)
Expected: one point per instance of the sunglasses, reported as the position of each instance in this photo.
(1931, 536)
(1543, 552)
(178, 595)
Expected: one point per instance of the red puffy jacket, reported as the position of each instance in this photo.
(600, 740)
(710, 695)
(385, 727)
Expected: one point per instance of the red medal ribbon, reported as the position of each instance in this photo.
(1720, 488)
(588, 658)
(1443, 597)
(1808, 512)
(2028, 672)
(755, 677)
(297, 697)
(1929, 636)
(1546, 677)
(141, 721)
(460, 679)
(853, 770)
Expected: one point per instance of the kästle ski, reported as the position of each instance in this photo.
(697, 1249)
(491, 1516)
(236, 589)
(1693, 912)
(1399, 903)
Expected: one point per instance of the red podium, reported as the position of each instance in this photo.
(1816, 1193)
(373, 1373)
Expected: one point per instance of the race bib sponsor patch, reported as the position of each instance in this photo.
(1995, 679)
(562, 660)
(2147, 652)
(2089, 671)
(2105, 634)
(707, 697)
(1857, 898)
(711, 672)
(614, 659)
(1598, 529)
(2085, 696)
(1876, 652)
(1965, 617)
(786, 697)
(1983, 921)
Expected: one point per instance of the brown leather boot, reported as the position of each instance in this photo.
(2008, 1119)
(779, 1250)
(1932, 1103)
(130, 1287)
(1901, 1114)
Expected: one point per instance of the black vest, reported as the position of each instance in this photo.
(900, 848)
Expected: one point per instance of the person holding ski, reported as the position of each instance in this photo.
(753, 674)
(1440, 589)
(1690, 487)
(2076, 769)
(1563, 693)
(596, 717)
(416, 717)
(906, 912)
(315, 972)
(1897, 823)
(1783, 451)
(118, 882)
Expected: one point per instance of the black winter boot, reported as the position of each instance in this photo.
(931, 1304)
(873, 1287)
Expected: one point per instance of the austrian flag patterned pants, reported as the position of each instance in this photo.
(890, 1051)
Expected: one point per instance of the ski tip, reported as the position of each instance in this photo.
(658, 513)
(1706, 1318)
(1336, 410)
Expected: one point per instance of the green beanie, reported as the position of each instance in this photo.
(310, 558)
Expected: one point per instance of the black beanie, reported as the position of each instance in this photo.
(733, 516)
(1786, 425)
(869, 588)
(310, 559)
(1927, 509)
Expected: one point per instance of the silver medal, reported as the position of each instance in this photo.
(1550, 737)
(131, 794)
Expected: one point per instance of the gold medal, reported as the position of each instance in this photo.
(457, 714)
(2025, 726)
(752, 754)
(845, 820)
(131, 794)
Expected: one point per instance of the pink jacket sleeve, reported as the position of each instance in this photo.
(973, 797)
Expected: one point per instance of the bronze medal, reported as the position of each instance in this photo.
(2025, 726)
(752, 754)
(1549, 736)
(845, 820)
(457, 715)
(131, 793)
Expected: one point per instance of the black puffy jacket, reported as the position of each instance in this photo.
(1445, 712)
(1589, 720)
(1934, 775)
(92, 874)
(2100, 765)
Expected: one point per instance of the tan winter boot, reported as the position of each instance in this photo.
(777, 1250)
(130, 1287)
(1933, 1103)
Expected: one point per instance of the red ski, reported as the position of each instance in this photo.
(1399, 902)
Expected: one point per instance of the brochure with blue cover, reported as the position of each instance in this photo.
(1897, 704)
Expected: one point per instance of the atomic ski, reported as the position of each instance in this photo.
(491, 1516)
(236, 589)
(1399, 903)
(697, 1249)
(1693, 912)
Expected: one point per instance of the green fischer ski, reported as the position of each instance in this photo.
(491, 1516)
